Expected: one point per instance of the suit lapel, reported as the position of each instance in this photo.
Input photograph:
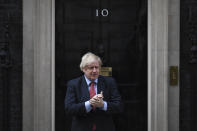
(84, 89)
(101, 85)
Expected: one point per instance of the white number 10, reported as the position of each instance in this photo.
(103, 12)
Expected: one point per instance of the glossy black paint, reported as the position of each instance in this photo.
(188, 65)
(119, 37)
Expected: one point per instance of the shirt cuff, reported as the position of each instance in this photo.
(105, 106)
(88, 106)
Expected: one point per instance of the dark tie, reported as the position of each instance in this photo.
(92, 94)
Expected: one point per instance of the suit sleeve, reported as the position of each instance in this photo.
(114, 104)
(72, 107)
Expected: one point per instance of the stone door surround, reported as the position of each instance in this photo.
(39, 65)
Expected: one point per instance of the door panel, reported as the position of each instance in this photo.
(117, 32)
(11, 65)
(188, 64)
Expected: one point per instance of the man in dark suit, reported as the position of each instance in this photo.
(92, 99)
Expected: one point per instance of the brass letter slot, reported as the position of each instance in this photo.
(173, 75)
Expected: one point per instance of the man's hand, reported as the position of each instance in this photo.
(97, 100)
(100, 95)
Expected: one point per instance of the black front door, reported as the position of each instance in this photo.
(11, 65)
(117, 32)
(188, 64)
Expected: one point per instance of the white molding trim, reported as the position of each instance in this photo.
(157, 65)
(39, 65)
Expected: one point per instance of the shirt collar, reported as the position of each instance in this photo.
(88, 81)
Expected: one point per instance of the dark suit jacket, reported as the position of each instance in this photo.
(76, 96)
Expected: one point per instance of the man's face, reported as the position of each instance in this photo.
(91, 71)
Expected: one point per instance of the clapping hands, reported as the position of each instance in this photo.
(97, 100)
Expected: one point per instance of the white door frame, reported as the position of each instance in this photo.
(39, 65)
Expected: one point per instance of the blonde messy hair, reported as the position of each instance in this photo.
(88, 58)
